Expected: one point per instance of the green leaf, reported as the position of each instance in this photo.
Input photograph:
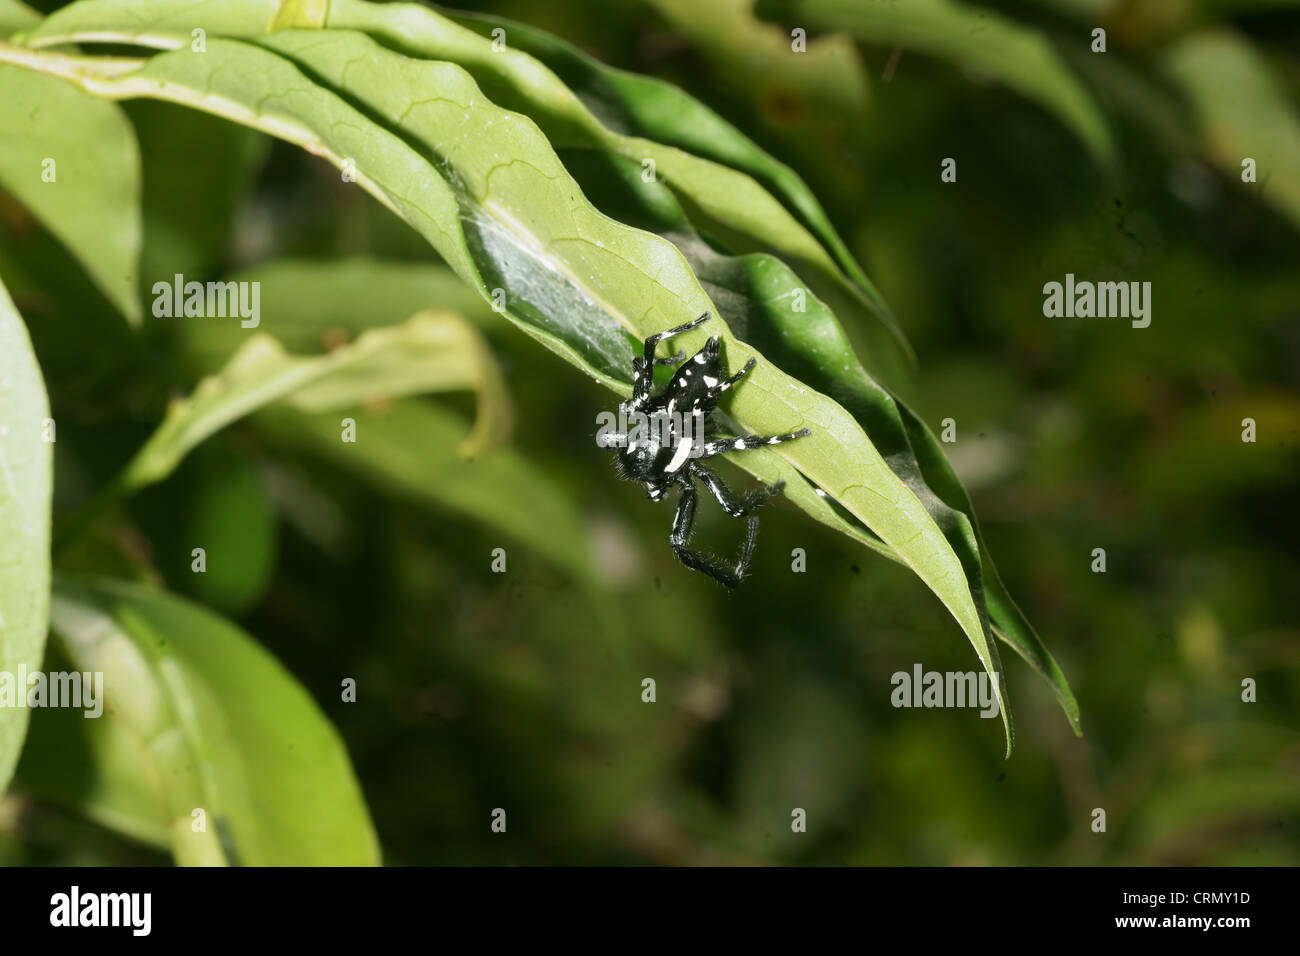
(1009, 623)
(645, 107)
(26, 487)
(587, 286)
(1243, 110)
(975, 39)
(312, 303)
(300, 13)
(756, 293)
(90, 766)
(397, 105)
(408, 447)
(730, 204)
(72, 160)
(15, 16)
(206, 719)
(433, 351)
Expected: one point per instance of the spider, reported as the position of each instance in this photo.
(668, 441)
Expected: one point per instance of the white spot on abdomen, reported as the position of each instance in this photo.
(679, 457)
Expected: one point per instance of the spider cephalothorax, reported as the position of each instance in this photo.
(661, 440)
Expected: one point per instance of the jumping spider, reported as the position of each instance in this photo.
(667, 445)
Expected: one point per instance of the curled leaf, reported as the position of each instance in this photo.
(487, 190)
(730, 203)
(433, 351)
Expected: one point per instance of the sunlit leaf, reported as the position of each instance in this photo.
(508, 216)
(646, 107)
(91, 766)
(26, 486)
(199, 717)
(300, 13)
(730, 204)
(72, 160)
(433, 351)
(15, 16)
(757, 292)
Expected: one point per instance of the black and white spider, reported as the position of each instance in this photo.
(661, 440)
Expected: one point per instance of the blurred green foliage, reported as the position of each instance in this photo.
(523, 691)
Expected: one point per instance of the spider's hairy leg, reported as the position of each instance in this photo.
(726, 383)
(737, 509)
(720, 446)
(653, 341)
(643, 368)
(684, 525)
(642, 383)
